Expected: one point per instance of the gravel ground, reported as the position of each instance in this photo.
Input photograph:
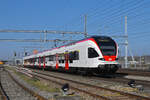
(111, 85)
(14, 91)
(45, 94)
(42, 93)
(116, 86)
(108, 94)
(138, 77)
(1, 97)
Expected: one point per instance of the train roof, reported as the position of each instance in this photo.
(102, 37)
(95, 37)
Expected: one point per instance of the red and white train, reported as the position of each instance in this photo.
(97, 54)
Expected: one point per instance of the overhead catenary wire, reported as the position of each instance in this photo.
(107, 9)
(39, 31)
(128, 25)
(32, 40)
(111, 17)
(116, 12)
(116, 17)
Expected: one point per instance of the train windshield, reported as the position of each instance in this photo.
(106, 45)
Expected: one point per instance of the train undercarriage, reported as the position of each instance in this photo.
(101, 69)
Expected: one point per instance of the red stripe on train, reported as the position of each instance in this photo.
(110, 58)
(39, 62)
(44, 61)
(57, 61)
(66, 61)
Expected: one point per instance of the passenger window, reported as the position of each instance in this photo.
(63, 61)
(51, 58)
(74, 55)
(42, 59)
(59, 61)
(92, 53)
(70, 61)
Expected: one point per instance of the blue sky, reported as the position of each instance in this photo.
(104, 17)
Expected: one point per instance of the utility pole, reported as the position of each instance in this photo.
(140, 61)
(134, 62)
(14, 58)
(45, 38)
(45, 35)
(85, 25)
(126, 44)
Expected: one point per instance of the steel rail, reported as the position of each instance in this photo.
(74, 88)
(134, 72)
(124, 80)
(39, 97)
(141, 82)
(3, 94)
(98, 87)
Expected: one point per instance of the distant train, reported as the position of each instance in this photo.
(96, 54)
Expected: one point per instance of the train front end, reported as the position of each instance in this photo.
(108, 61)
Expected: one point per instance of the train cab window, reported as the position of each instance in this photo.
(92, 53)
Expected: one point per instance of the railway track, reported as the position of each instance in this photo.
(3, 96)
(134, 72)
(14, 90)
(125, 81)
(92, 90)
